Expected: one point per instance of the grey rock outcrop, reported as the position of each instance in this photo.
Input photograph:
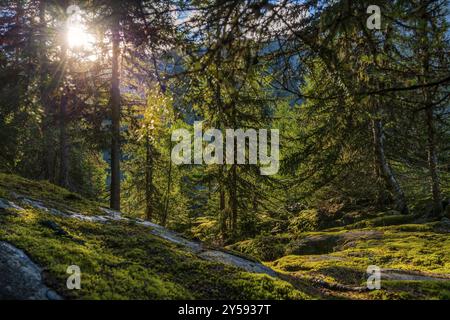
(20, 278)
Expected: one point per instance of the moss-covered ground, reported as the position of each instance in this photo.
(119, 260)
(413, 248)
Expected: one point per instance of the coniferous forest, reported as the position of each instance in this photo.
(238, 150)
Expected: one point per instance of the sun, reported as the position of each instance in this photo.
(79, 38)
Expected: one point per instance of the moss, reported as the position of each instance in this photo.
(121, 260)
(257, 286)
(330, 268)
(414, 228)
(263, 247)
(317, 244)
(204, 229)
(388, 220)
(48, 193)
(124, 261)
(306, 220)
(408, 290)
(410, 247)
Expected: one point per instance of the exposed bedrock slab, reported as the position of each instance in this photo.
(193, 246)
(247, 265)
(327, 243)
(20, 278)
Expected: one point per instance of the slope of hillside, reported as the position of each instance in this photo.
(412, 254)
(45, 229)
(119, 258)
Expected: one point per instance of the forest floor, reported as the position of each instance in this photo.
(413, 257)
(119, 258)
(414, 260)
(125, 258)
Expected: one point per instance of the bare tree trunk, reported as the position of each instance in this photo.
(44, 97)
(169, 184)
(63, 145)
(433, 164)
(233, 185)
(115, 116)
(379, 180)
(163, 89)
(19, 15)
(255, 202)
(429, 112)
(148, 178)
(385, 169)
(233, 198)
(63, 179)
(222, 206)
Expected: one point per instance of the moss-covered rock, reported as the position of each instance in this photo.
(322, 243)
(413, 290)
(264, 247)
(304, 221)
(119, 260)
(447, 212)
(417, 251)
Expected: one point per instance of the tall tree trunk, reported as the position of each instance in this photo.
(44, 97)
(233, 182)
(169, 184)
(19, 15)
(379, 180)
(385, 168)
(148, 178)
(423, 35)
(255, 202)
(63, 179)
(222, 205)
(233, 198)
(433, 164)
(163, 89)
(63, 145)
(115, 116)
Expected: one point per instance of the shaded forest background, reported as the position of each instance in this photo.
(363, 114)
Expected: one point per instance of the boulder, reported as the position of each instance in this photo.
(327, 243)
(447, 212)
(6, 205)
(233, 260)
(20, 278)
(316, 244)
(54, 226)
(442, 226)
